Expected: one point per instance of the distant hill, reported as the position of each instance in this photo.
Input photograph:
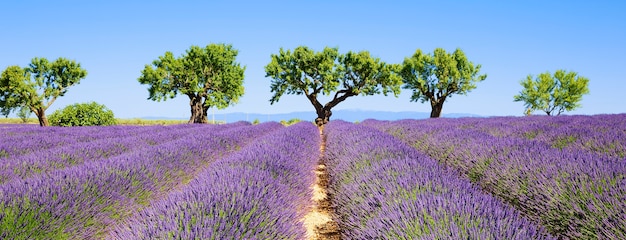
(346, 115)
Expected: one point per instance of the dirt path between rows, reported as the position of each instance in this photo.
(318, 221)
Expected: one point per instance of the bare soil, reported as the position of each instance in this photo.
(318, 221)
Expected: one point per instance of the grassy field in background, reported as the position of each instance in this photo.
(17, 121)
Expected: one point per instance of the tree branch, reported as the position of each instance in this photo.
(336, 100)
(318, 90)
(191, 95)
(313, 99)
(50, 102)
(424, 90)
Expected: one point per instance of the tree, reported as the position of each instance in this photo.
(560, 92)
(83, 114)
(435, 77)
(24, 114)
(311, 73)
(38, 85)
(209, 76)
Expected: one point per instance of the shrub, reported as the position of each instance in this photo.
(290, 121)
(24, 114)
(83, 114)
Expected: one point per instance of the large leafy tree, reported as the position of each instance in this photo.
(304, 71)
(436, 77)
(37, 86)
(560, 92)
(209, 76)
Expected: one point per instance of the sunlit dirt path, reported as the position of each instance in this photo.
(318, 222)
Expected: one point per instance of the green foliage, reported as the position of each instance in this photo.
(24, 114)
(476, 172)
(563, 141)
(256, 121)
(560, 92)
(209, 76)
(290, 121)
(15, 86)
(37, 86)
(21, 219)
(83, 114)
(328, 72)
(435, 77)
(532, 134)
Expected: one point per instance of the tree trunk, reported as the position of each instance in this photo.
(323, 116)
(197, 110)
(323, 112)
(436, 107)
(205, 111)
(41, 115)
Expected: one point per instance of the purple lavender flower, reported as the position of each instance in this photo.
(568, 172)
(84, 200)
(384, 189)
(259, 192)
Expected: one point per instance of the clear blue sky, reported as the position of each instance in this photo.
(113, 40)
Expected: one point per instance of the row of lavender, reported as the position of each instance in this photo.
(87, 199)
(90, 146)
(600, 134)
(19, 140)
(576, 190)
(382, 188)
(259, 192)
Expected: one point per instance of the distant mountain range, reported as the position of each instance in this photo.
(346, 115)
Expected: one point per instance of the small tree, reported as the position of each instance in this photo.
(38, 85)
(83, 114)
(209, 76)
(24, 114)
(435, 77)
(560, 92)
(304, 71)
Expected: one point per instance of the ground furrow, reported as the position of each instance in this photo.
(318, 221)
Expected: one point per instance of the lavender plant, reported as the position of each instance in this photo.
(24, 140)
(384, 189)
(83, 201)
(259, 192)
(572, 190)
(70, 154)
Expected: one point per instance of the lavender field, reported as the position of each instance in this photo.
(469, 178)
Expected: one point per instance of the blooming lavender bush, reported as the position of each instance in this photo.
(133, 139)
(384, 189)
(30, 139)
(604, 135)
(564, 174)
(259, 192)
(83, 201)
(571, 189)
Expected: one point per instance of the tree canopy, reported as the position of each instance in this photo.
(435, 77)
(37, 86)
(209, 76)
(305, 71)
(560, 92)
